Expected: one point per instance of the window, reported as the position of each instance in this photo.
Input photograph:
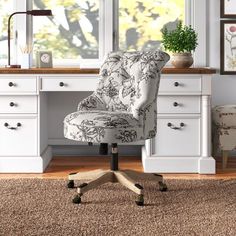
(6, 6)
(140, 22)
(72, 33)
(85, 30)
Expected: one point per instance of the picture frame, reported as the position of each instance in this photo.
(227, 8)
(228, 47)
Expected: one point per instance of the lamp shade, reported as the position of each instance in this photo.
(40, 13)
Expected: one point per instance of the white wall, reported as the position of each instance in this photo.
(223, 86)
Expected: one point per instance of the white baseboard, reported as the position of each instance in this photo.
(31, 164)
(152, 164)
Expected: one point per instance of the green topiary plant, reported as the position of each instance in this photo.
(182, 39)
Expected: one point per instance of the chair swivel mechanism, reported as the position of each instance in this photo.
(123, 109)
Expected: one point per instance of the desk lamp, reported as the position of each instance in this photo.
(32, 13)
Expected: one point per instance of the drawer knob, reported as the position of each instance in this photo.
(11, 84)
(12, 128)
(61, 84)
(175, 104)
(181, 125)
(12, 104)
(176, 84)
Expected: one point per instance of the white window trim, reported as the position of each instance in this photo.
(195, 11)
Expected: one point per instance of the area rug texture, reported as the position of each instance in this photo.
(190, 207)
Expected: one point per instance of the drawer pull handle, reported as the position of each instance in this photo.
(12, 128)
(176, 84)
(175, 104)
(12, 104)
(11, 84)
(61, 84)
(181, 125)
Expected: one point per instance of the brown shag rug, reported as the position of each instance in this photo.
(190, 207)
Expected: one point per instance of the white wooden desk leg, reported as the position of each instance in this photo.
(206, 163)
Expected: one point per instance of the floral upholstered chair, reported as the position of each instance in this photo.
(224, 130)
(123, 109)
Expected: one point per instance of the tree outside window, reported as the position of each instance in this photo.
(72, 33)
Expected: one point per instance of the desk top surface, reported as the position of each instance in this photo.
(59, 70)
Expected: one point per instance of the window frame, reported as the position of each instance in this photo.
(108, 33)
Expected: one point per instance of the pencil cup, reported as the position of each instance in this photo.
(25, 63)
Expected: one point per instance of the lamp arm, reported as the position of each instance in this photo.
(9, 34)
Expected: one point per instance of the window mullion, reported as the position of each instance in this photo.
(198, 22)
(19, 31)
(108, 29)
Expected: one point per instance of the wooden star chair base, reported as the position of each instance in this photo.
(125, 177)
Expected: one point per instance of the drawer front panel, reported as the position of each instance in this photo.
(178, 104)
(18, 136)
(179, 85)
(18, 104)
(177, 137)
(18, 85)
(65, 84)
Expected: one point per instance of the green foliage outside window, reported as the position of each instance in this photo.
(73, 31)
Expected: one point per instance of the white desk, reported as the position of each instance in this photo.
(26, 119)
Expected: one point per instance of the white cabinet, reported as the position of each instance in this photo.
(182, 144)
(183, 137)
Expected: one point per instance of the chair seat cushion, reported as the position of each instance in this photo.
(224, 116)
(102, 127)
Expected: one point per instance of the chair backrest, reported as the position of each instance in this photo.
(129, 83)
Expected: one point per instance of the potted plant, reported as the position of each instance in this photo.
(181, 41)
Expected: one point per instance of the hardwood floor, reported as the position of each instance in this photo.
(60, 167)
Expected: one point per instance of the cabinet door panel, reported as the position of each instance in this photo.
(179, 86)
(18, 85)
(18, 136)
(178, 104)
(177, 137)
(18, 104)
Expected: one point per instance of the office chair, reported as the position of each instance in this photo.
(123, 109)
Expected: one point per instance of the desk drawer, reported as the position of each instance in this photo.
(18, 104)
(18, 136)
(175, 140)
(18, 85)
(180, 85)
(178, 104)
(68, 84)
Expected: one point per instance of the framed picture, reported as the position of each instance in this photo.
(227, 8)
(228, 47)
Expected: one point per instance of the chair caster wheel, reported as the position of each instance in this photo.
(77, 199)
(162, 187)
(140, 201)
(71, 184)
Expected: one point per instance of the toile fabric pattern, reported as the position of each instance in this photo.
(224, 127)
(123, 108)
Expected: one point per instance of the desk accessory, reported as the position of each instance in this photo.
(44, 59)
(32, 13)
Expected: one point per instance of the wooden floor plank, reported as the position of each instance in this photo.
(60, 167)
